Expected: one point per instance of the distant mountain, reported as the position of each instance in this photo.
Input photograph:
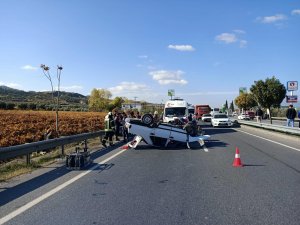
(16, 96)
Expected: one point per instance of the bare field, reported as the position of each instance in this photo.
(20, 127)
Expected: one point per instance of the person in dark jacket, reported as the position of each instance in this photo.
(290, 115)
(117, 120)
(109, 124)
(191, 129)
(259, 113)
(299, 117)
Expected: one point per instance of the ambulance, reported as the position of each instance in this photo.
(175, 108)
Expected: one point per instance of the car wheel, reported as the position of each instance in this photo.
(147, 119)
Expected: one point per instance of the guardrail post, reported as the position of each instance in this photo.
(85, 145)
(28, 159)
(62, 150)
(101, 138)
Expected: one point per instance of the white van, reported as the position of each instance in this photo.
(214, 111)
(176, 108)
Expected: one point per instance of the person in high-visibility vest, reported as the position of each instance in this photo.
(109, 126)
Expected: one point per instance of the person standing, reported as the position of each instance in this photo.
(109, 129)
(138, 115)
(259, 113)
(299, 117)
(117, 120)
(124, 128)
(290, 115)
(156, 118)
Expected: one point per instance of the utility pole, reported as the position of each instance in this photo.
(135, 101)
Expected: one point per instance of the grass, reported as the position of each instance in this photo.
(18, 166)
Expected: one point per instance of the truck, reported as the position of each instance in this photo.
(191, 109)
(175, 108)
(200, 110)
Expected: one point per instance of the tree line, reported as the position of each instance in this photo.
(37, 106)
(266, 94)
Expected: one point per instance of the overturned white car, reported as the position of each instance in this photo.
(160, 134)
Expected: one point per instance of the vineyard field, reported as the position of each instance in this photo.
(20, 127)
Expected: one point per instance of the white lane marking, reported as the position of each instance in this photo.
(269, 140)
(53, 191)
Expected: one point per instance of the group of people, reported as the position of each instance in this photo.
(291, 114)
(114, 125)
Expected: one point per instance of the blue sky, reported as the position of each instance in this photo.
(203, 49)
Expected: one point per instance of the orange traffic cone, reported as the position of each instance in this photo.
(237, 160)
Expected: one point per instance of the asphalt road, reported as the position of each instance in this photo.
(168, 186)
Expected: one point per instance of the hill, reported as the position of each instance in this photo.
(17, 97)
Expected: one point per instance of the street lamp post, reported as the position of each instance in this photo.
(135, 102)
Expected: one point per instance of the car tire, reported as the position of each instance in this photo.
(147, 119)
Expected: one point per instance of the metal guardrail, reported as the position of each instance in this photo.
(284, 119)
(284, 129)
(27, 149)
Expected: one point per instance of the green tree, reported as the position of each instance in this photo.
(23, 106)
(99, 100)
(32, 106)
(245, 101)
(232, 106)
(117, 102)
(268, 93)
(10, 106)
(226, 105)
(2, 105)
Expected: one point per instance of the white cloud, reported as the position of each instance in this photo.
(183, 48)
(73, 88)
(143, 56)
(29, 67)
(230, 38)
(132, 90)
(151, 67)
(243, 43)
(210, 93)
(239, 31)
(165, 77)
(128, 87)
(272, 19)
(11, 85)
(216, 64)
(296, 12)
(227, 38)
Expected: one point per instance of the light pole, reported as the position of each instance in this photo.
(135, 101)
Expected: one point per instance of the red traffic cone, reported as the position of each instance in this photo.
(237, 160)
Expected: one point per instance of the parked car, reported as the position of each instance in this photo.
(221, 120)
(243, 116)
(206, 117)
(233, 119)
(251, 114)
